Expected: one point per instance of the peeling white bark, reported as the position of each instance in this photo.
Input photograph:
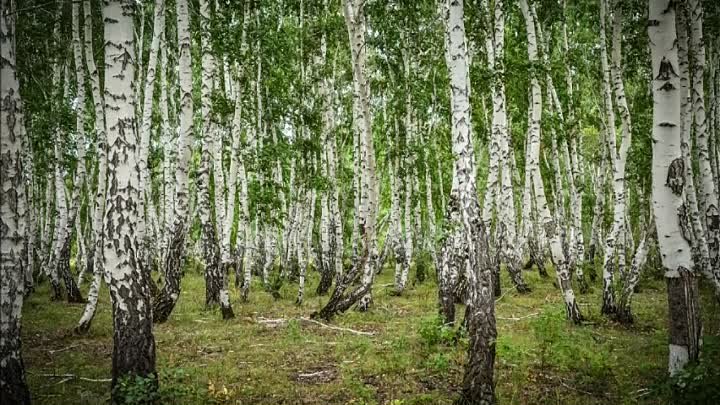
(667, 169)
(548, 224)
(13, 211)
(134, 343)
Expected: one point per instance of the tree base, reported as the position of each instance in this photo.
(14, 389)
(164, 305)
(523, 289)
(624, 316)
(227, 312)
(573, 313)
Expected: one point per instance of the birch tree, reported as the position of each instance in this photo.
(668, 184)
(617, 157)
(145, 208)
(165, 302)
(363, 265)
(548, 223)
(708, 193)
(464, 251)
(13, 211)
(95, 252)
(133, 340)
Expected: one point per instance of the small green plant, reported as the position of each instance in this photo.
(136, 390)
(175, 387)
(548, 331)
(433, 332)
(438, 362)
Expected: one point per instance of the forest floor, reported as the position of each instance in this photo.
(406, 358)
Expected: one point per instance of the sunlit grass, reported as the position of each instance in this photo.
(541, 359)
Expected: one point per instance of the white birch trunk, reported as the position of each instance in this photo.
(699, 241)
(548, 224)
(366, 215)
(708, 201)
(613, 243)
(133, 340)
(144, 206)
(165, 303)
(13, 388)
(667, 169)
(467, 255)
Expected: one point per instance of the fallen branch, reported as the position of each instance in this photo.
(274, 323)
(68, 377)
(520, 318)
(63, 349)
(324, 325)
(501, 296)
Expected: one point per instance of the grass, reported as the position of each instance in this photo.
(541, 358)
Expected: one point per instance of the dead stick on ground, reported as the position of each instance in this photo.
(357, 332)
(520, 318)
(281, 321)
(68, 377)
(63, 349)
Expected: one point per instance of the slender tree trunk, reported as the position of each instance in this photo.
(330, 210)
(708, 193)
(408, 163)
(13, 211)
(506, 226)
(576, 180)
(467, 253)
(235, 164)
(366, 215)
(631, 279)
(170, 293)
(667, 168)
(211, 252)
(613, 244)
(698, 242)
(31, 218)
(548, 224)
(133, 340)
(145, 208)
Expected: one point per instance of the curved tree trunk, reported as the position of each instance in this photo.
(165, 302)
(548, 224)
(147, 251)
(364, 263)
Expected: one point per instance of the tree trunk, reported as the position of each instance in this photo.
(708, 201)
(468, 252)
(133, 340)
(699, 242)
(145, 208)
(175, 259)
(667, 169)
(13, 231)
(364, 262)
(630, 281)
(548, 224)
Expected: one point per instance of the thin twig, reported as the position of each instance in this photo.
(520, 318)
(63, 349)
(501, 296)
(282, 321)
(68, 377)
(357, 332)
